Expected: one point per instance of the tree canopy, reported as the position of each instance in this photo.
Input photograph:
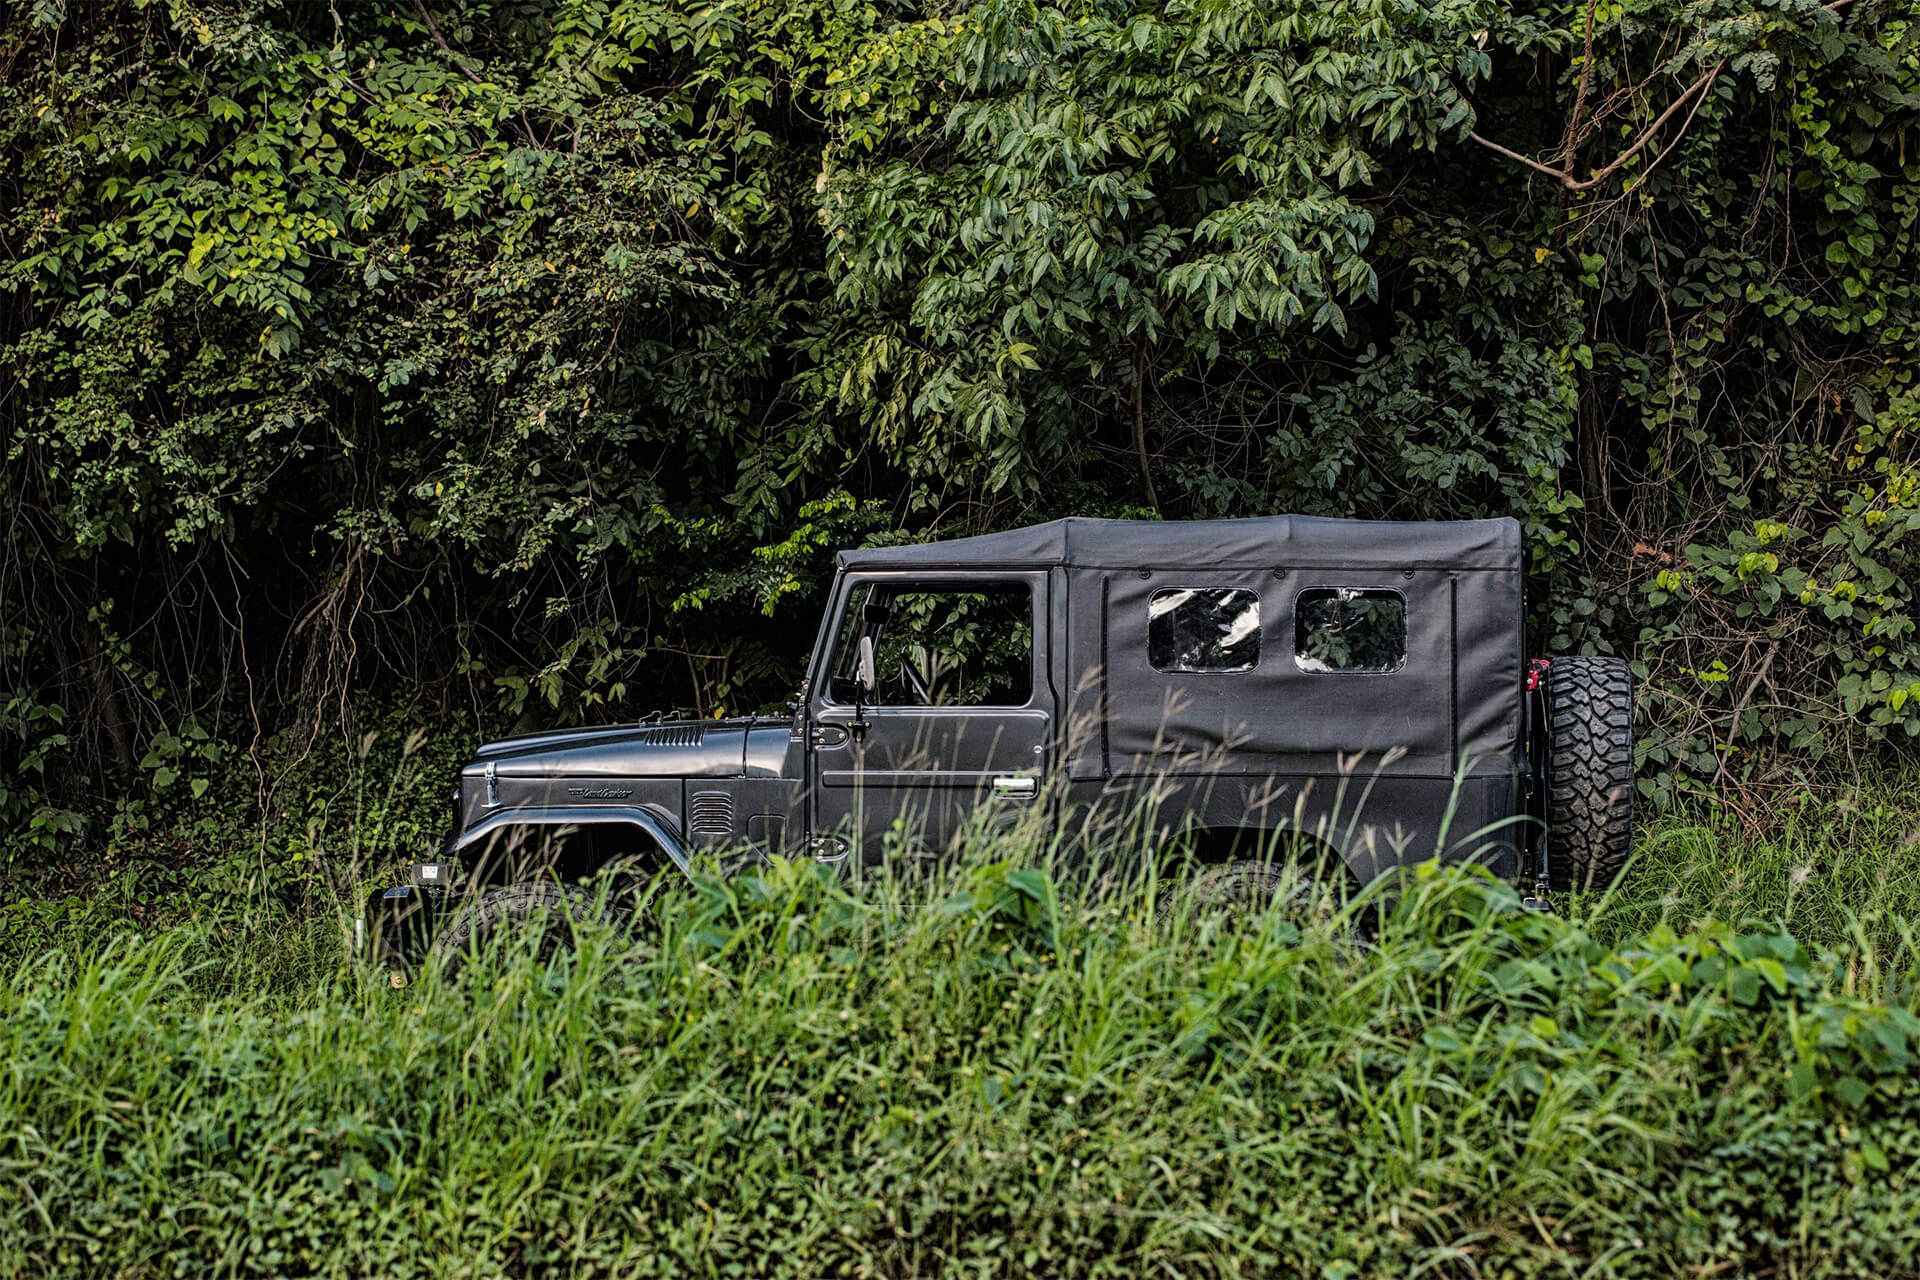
(539, 352)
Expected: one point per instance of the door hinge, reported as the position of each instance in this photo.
(828, 735)
(828, 848)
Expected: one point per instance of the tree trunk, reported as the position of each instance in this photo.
(106, 702)
(1139, 407)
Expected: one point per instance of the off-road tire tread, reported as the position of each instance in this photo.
(1590, 771)
(1253, 884)
(513, 906)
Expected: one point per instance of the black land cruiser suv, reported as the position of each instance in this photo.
(1359, 687)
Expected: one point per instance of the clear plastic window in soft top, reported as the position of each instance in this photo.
(1203, 629)
(1350, 629)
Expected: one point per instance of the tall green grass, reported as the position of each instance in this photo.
(984, 1073)
(1839, 870)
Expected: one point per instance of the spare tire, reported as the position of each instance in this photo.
(1589, 771)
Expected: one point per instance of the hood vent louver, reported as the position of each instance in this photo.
(689, 735)
(710, 813)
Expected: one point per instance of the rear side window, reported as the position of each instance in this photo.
(1359, 629)
(1203, 629)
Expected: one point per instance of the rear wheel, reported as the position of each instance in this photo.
(553, 909)
(1589, 771)
(1242, 889)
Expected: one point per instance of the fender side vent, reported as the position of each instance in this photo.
(676, 736)
(710, 813)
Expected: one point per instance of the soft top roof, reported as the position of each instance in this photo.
(1252, 543)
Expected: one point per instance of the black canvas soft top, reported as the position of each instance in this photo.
(1257, 542)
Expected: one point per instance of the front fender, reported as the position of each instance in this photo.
(656, 824)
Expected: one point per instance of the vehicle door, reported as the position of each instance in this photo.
(931, 701)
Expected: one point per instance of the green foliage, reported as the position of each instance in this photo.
(1843, 603)
(32, 730)
(1836, 870)
(540, 353)
(995, 1076)
(1103, 178)
(260, 843)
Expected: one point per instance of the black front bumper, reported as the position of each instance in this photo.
(396, 927)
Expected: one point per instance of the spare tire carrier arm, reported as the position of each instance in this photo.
(1537, 745)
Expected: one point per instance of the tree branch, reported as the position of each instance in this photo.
(1565, 176)
(1511, 154)
(460, 60)
(1580, 95)
(1699, 86)
(1140, 420)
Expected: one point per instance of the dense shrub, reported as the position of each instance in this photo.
(986, 1076)
(535, 352)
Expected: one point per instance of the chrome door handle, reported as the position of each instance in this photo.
(1016, 786)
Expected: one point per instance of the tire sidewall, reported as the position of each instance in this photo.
(554, 909)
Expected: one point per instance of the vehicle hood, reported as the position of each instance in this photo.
(669, 749)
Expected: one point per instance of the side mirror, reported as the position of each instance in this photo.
(864, 675)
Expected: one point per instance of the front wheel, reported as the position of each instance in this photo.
(553, 909)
